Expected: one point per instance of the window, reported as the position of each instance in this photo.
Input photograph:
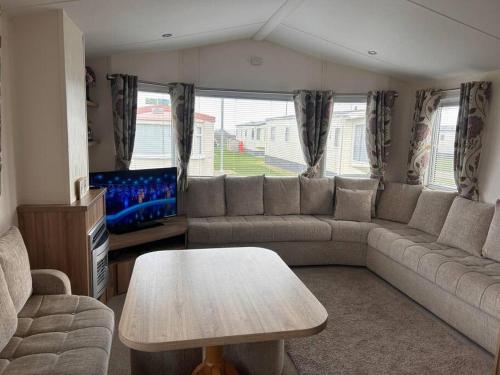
(440, 173)
(154, 144)
(359, 145)
(346, 147)
(197, 141)
(251, 134)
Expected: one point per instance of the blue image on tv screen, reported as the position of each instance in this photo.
(135, 198)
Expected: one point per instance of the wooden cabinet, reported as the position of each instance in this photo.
(125, 248)
(56, 236)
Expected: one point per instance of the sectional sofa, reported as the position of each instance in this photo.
(441, 250)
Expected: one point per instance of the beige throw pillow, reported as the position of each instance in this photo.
(431, 211)
(245, 196)
(281, 196)
(204, 197)
(316, 196)
(466, 225)
(353, 205)
(491, 248)
(370, 184)
(397, 202)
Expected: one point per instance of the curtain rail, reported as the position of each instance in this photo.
(111, 76)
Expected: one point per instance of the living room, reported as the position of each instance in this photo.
(235, 187)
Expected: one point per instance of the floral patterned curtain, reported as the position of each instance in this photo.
(427, 102)
(313, 110)
(124, 106)
(182, 96)
(474, 98)
(378, 131)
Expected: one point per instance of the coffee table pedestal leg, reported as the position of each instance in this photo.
(213, 363)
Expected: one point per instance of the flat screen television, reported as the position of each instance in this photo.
(136, 199)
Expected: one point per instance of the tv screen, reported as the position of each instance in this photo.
(137, 198)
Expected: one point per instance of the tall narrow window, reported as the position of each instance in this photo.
(154, 144)
(440, 173)
(346, 147)
(253, 134)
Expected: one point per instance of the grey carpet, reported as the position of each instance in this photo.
(372, 329)
(375, 329)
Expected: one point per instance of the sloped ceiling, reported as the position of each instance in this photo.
(413, 38)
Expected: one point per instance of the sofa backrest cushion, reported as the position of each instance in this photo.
(8, 315)
(15, 265)
(491, 248)
(353, 205)
(316, 195)
(245, 195)
(397, 202)
(431, 211)
(205, 197)
(281, 196)
(359, 184)
(466, 225)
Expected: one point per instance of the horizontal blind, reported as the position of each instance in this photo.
(154, 143)
(346, 146)
(443, 139)
(243, 136)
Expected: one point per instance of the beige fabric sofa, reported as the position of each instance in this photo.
(43, 328)
(428, 244)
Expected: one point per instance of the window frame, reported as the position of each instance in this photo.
(344, 98)
(160, 89)
(250, 133)
(450, 99)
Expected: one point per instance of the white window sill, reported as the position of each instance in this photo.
(440, 187)
(197, 157)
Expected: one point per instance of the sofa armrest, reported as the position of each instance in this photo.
(48, 281)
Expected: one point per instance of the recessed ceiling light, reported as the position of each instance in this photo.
(372, 52)
(166, 35)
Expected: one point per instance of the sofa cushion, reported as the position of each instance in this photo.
(205, 197)
(474, 280)
(316, 195)
(358, 184)
(245, 195)
(16, 267)
(354, 205)
(8, 314)
(281, 196)
(255, 229)
(394, 242)
(60, 334)
(491, 248)
(466, 225)
(397, 202)
(348, 231)
(431, 210)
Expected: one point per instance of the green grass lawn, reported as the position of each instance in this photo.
(244, 164)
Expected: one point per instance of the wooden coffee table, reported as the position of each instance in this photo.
(214, 297)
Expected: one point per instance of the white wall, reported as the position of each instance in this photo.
(49, 107)
(8, 196)
(227, 66)
(75, 100)
(489, 171)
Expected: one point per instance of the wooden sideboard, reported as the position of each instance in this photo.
(125, 248)
(56, 236)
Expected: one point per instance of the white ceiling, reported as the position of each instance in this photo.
(417, 38)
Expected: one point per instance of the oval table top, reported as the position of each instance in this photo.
(206, 297)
